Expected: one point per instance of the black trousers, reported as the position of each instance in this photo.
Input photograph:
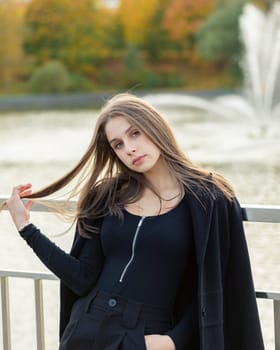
(104, 321)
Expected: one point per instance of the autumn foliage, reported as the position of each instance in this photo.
(11, 23)
(135, 17)
(66, 30)
(150, 42)
(183, 17)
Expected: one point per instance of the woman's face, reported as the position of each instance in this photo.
(131, 145)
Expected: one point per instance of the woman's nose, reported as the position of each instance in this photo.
(131, 150)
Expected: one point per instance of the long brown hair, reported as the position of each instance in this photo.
(104, 184)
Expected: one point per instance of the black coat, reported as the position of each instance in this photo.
(227, 309)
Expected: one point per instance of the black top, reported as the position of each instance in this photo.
(142, 258)
(145, 257)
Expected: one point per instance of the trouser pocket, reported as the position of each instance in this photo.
(83, 326)
(81, 334)
(135, 338)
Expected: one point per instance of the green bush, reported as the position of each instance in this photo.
(79, 83)
(106, 77)
(218, 38)
(52, 77)
(136, 73)
(173, 80)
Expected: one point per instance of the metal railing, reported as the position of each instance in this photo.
(251, 213)
(38, 279)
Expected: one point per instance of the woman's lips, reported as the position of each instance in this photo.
(138, 160)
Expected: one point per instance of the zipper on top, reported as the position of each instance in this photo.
(133, 248)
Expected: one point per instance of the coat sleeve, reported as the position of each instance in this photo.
(242, 329)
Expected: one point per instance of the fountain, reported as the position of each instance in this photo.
(260, 100)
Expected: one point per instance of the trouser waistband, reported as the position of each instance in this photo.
(131, 310)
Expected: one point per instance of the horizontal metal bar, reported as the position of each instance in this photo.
(42, 206)
(28, 274)
(266, 294)
(250, 212)
(261, 213)
(262, 294)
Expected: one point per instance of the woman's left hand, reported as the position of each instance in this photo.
(18, 210)
(159, 342)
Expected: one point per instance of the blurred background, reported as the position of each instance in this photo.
(97, 45)
(211, 67)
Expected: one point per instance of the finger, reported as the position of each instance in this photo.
(21, 188)
(25, 193)
(28, 205)
(28, 185)
(3, 205)
(25, 187)
(16, 190)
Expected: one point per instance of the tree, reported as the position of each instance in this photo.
(183, 17)
(66, 30)
(11, 16)
(156, 39)
(218, 37)
(135, 16)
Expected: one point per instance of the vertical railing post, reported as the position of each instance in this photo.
(276, 307)
(40, 333)
(6, 327)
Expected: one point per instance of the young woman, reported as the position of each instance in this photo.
(159, 259)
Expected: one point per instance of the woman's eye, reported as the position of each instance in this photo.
(118, 145)
(135, 133)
